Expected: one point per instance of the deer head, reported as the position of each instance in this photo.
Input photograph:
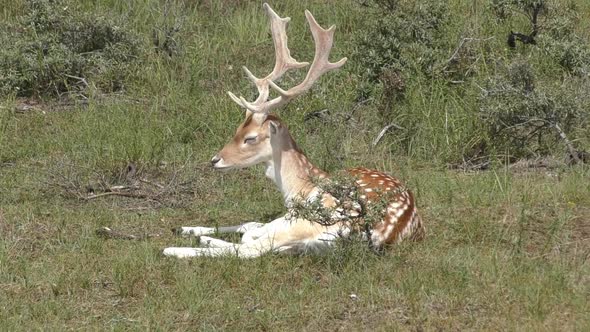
(251, 143)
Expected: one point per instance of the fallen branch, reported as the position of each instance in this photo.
(108, 233)
(356, 107)
(483, 163)
(570, 146)
(115, 193)
(383, 131)
(469, 166)
(152, 183)
(127, 188)
(80, 79)
(546, 163)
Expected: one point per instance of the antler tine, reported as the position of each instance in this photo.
(283, 62)
(323, 39)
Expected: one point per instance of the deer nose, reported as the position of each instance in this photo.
(215, 159)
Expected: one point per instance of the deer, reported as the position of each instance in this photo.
(263, 138)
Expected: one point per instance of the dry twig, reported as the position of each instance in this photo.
(107, 233)
(383, 131)
(573, 152)
(80, 79)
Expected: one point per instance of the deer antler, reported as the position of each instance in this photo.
(323, 44)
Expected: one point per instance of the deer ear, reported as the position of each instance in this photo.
(274, 127)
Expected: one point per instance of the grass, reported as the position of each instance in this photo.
(506, 249)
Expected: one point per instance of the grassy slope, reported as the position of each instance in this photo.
(505, 249)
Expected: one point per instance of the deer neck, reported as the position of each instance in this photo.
(292, 172)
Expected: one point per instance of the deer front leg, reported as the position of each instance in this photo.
(185, 252)
(199, 231)
(210, 242)
(249, 250)
(251, 233)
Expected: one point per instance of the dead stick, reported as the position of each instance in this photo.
(80, 79)
(383, 131)
(152, 183)
(108, 233)
(115, 193)
(568, 143)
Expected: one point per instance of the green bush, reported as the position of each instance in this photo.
(55, 49)
(521, 111)
(527, 103)
(401, 36)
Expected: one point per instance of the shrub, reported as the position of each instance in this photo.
(55, 49)
(528, 104)
(563, 45)
(556, 36)
(402, 37)
(525, 114)
(401, 42)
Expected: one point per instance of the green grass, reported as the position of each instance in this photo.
(506, 249)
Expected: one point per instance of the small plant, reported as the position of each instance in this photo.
(350, 207)
(164, 34)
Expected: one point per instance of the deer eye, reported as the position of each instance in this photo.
(250, 140)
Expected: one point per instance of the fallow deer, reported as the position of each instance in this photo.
(264, 138)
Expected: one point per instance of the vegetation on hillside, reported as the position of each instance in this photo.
(528, 91)
(55, 48)
(501, 97)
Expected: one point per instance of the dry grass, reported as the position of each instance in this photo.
(518, 259)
